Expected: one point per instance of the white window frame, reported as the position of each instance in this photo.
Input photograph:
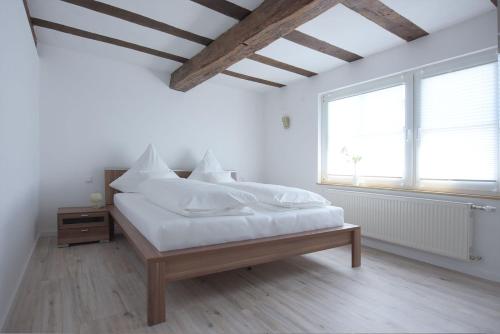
(343, 93)
(439, 69)
(412, 80)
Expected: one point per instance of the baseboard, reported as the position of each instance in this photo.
(47, 234)
(475, 269)
(19, 281)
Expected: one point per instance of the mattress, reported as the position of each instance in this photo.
(169, 231)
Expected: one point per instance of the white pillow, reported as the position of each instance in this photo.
(210, 170)
(149, 165)
(193, 198)
(208, 164)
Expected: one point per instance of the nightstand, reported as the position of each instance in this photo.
(82, 224)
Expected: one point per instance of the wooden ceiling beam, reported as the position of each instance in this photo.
(270, 21)
(249, 78)
(321, 46)
(275, 63)
(28, 15)
(226, 8)
(237, 12)
(105, 39)
(384, 16)
(148, 22)
(118, 42)
(142, 20)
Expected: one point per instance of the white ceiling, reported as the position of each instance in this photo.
(434, 15)
(339, 26)
(297, 55)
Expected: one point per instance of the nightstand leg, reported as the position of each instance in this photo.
(111, 228)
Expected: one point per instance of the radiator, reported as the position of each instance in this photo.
(439, 227)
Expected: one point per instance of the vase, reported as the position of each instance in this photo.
(355, 177)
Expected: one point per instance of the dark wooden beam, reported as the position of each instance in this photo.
(321, 46)
(270, 21)
(374, 10)
(118, 42)
(105, 39)
(144, 21)
(278, 64)
(249, 78)
(225, 7)
(147, 22)
(384, 16)
(230, 9)
(28, 15)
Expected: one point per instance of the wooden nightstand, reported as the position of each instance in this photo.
(75, 225)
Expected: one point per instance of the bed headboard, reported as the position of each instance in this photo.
(112, 174)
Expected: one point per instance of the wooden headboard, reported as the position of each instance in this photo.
(112, 174)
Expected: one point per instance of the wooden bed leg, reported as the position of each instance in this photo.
(156, 292)
(356, 247)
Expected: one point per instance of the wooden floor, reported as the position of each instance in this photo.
(99, 288)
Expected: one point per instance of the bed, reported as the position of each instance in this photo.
(265, 237)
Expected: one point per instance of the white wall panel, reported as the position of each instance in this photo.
(19, 148)
(97, 113)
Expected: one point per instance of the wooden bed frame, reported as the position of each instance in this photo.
(163, 267)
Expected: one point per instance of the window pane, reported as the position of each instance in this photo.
(459, 125)
(371, 126)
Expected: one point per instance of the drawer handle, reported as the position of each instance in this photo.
(84, 230)
(84, 215)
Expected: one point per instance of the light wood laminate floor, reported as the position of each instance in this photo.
(99, 288)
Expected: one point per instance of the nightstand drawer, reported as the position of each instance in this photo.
(83, 234)
(74, 220)
(82, 224)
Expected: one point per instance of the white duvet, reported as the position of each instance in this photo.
(280, 196)
(193, 198)
(168, 231)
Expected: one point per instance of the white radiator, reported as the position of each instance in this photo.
(439, 227)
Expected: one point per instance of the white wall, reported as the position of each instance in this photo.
(97, 113)
(19, 149)
(291, 155)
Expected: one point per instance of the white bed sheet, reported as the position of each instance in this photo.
(168, 231)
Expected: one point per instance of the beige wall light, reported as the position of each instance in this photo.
(286, 122)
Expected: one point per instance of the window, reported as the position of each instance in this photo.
(458, 131)
(436, 128)
(371, 127)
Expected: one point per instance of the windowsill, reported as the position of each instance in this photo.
(433, 192)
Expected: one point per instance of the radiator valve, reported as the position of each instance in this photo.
(487, 208)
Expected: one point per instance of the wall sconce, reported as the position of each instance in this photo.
(286, 122)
